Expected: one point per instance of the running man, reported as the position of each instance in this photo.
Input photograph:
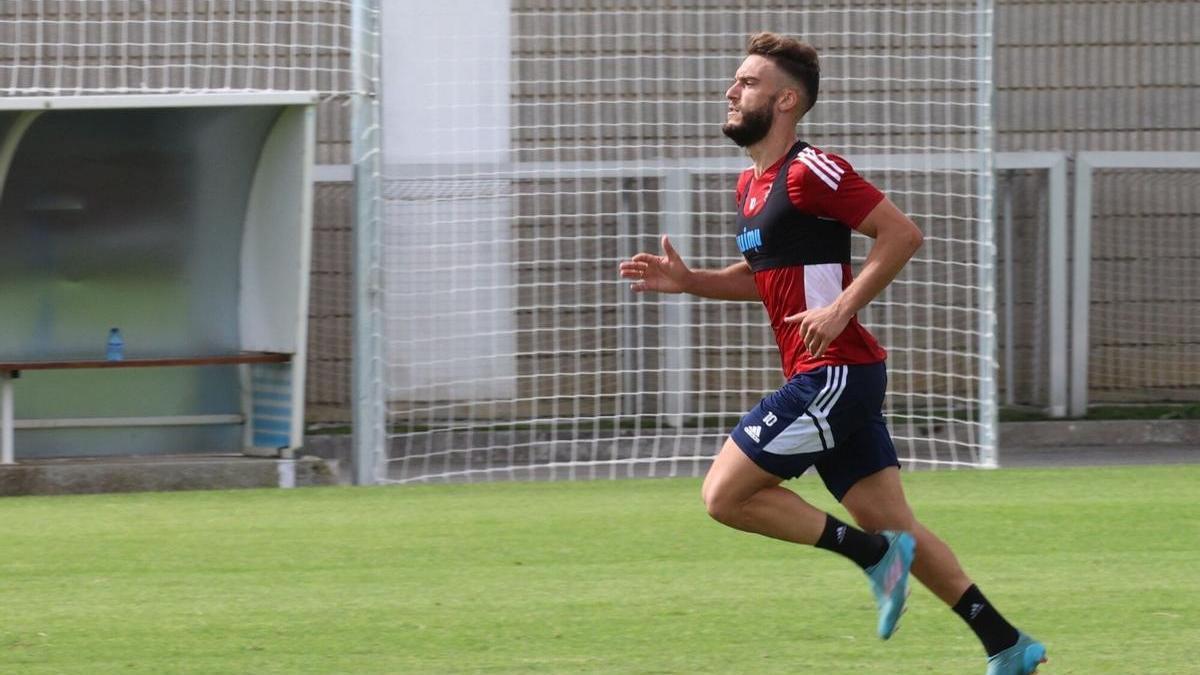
(796, 207)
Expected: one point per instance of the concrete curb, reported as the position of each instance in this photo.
(1099, 433)
(161, 473)
(328, 453)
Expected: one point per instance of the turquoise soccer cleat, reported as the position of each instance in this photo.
(1022, 658)
(889, 580)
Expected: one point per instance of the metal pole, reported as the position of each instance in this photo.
(677, 361)
(370, 433)
(1010, 348)
(627, 330)
(1057, 264)
(6, 418)
(1082, 278)
(987, 252)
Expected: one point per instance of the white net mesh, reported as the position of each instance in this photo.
(1145, 287)
(529, 149)
(68, 47)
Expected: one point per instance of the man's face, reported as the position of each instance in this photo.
(752, 99)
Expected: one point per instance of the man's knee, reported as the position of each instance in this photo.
(731, 484)
(714, 502)
(721, 505)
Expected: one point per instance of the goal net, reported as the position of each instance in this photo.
(1145, 287)
(529, 147)
(71, 47)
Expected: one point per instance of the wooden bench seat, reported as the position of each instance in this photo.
(11, 370)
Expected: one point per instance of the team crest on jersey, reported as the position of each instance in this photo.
(754, 200)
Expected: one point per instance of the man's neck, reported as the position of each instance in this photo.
(768, 151)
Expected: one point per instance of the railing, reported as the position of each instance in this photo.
(1068, 246)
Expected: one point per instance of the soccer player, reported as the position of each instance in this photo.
(795, 209)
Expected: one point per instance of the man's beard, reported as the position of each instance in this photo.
(754, 126)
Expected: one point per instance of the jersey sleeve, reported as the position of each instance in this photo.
(828, 187)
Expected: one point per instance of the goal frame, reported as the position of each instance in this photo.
(372, 449)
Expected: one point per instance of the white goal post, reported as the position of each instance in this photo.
(528, 147)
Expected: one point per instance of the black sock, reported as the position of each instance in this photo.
(864, 549)
(994, 632)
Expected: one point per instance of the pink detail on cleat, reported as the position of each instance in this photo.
(895, 571)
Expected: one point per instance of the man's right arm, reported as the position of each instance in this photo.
(735, 282)
(669, 274)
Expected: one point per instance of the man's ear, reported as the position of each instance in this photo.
(790, 100)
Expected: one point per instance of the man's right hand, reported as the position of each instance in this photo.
(661, 273)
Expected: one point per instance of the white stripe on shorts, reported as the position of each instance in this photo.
(818, 401)
(820, 410)
(810, 432)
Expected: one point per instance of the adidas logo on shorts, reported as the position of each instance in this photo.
(753, 432)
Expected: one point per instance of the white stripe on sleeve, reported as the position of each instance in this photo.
(821, 173)
(824, 159)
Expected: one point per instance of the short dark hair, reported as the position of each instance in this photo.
(797, 59)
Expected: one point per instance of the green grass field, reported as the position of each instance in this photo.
(625, 576)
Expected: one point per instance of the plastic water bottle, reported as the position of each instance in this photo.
(116, 346)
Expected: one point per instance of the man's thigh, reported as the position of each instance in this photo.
(877, 502)
(734, 476)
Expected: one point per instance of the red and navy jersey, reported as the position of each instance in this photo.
(794, 225)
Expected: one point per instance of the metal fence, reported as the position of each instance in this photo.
(1071, 76)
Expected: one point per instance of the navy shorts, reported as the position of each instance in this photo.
(831, 418)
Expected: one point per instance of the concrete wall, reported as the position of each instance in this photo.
(1125, 76)
(1071, 75)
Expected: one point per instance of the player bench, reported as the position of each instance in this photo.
(11, 370)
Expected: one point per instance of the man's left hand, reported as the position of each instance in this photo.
(819, 327)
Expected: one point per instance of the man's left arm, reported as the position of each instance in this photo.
(897, 238)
